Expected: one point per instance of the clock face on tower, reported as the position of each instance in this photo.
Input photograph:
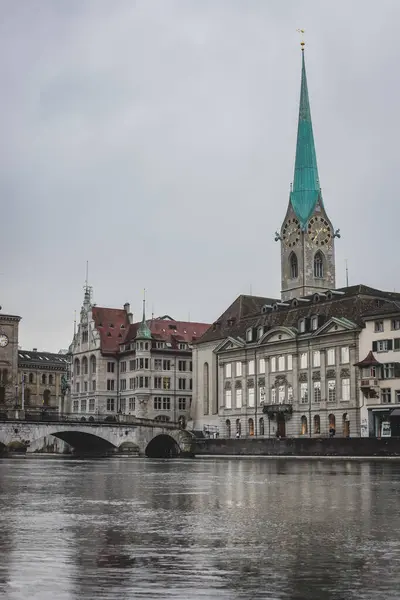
(319, 231)
(3, 340)
(291, 232)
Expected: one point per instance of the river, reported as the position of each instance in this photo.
(234, 528)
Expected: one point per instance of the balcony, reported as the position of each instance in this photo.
(369, 383)
(370, 387)
(278, 409)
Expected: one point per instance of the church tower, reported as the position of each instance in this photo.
(307, 235)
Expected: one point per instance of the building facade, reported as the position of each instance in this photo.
(41, 376)
(143, 369)
(8, 360)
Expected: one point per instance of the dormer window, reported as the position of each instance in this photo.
(314, 323)
(260, 332)
(249, 335)
(302, 325)
(109, 334)
(112, 325)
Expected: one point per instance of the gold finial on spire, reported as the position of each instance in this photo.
(302, 43)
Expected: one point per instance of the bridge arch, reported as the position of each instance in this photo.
(170, 444)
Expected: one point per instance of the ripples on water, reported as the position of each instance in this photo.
(226, 528)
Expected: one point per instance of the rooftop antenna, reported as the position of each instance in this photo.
(347, 274)
(302, 43)
(144, 305)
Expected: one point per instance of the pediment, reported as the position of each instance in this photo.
(336, 325)
(278, 334)
(229, 344)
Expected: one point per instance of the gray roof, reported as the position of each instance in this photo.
(49, 360)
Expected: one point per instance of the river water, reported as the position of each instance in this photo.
(234, 528)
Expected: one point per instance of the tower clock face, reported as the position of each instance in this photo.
(291, 232)
(319, 231)
(3, 340)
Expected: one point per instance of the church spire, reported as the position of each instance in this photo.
(306, 187)
(143, 331)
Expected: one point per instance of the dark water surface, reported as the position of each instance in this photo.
(224, 528)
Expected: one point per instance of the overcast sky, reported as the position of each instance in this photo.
(156, 139)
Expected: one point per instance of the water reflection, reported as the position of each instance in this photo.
(232, 528)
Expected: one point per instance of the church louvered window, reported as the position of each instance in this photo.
(294, 267)
(318, 266)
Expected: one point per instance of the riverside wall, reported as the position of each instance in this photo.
(298, 447)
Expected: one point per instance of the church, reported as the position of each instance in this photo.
(291, 366)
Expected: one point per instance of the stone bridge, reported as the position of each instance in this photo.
(153, 440)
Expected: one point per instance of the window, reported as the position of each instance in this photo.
(83, 405)
(386, 395)
(317, 391)
(273, 364)
(110, 385)
(190, 365)
(123, 385)
(314, 323)
(91, 405)
(281, 363)
(110, 367)
(85, 336)
(345, 390)
(378, 326)
(251, 427)
(166, 365)
(289, 362)
(131, 404)
(261, 365)
(110, 404)
(182, 403)
(228, 428)
(85, 386)
(143, 382)
(166, 383)
(317, 425)
(238, 427)
(290, 394)
(239, 369)
(331, 390)
(251, 367)
(157, 403)
(332, 422)
(303, 360)
(281, 394)
(395, 323)
(166, 403)
(182, 365)
(30, 377)
(388, 371)
(239, 398)
(77, 387)
(249, 335)
(93, 385)
(132, 365)
(318, 266)
(93, 364)
(397, 393)
(261, 426)
(190, 384)
(294, 266)
(132, 383)
(228, 370)
(260, 332)
(228, 398)
(206, 389)
(122, 405)
(273, 395)
(344, 355)
(77, 367)
(302, 326)
(157, 364)
(182, 346)
(182, 384)
(123, 366)
(50, 379)
(158, 383)
(75, 406)
(44, 379)
(304, 393)
(316, 358)
(330, 356)
(250, 393)
(382, 346)
(304, 426)
(46, 397)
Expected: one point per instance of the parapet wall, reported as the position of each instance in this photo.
(299, 447)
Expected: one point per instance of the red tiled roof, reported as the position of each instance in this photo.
(171, 331)
(113, 326)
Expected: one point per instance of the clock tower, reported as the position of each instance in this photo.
(307, 237)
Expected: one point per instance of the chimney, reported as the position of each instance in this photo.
(34, 350)
(127, 307)
(130, 318)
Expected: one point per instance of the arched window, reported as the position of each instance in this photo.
(261, 426)
(44, 379)
(238, 428)
(85, 365)
(304, 425)
(346, 425)
(206, 389)
(251, 427)
(30, 377)
(50, 379)
(317, 424)
(228, 428)
(46, 397)
(318, 265)
(93, 364)
(332, 421)
(294, 266)
(77, 367)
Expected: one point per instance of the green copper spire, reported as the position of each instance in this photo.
(143, 331)
(306, 188)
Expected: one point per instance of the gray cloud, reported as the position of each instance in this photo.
(156, 139)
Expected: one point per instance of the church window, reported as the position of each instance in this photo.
(85, 365)
(294, 266)
(318, 266)
(77, 367)
(93, 364)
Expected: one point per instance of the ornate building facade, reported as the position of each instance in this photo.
(287, 367)
(8, 360)
(121, 367)
(41, 377)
